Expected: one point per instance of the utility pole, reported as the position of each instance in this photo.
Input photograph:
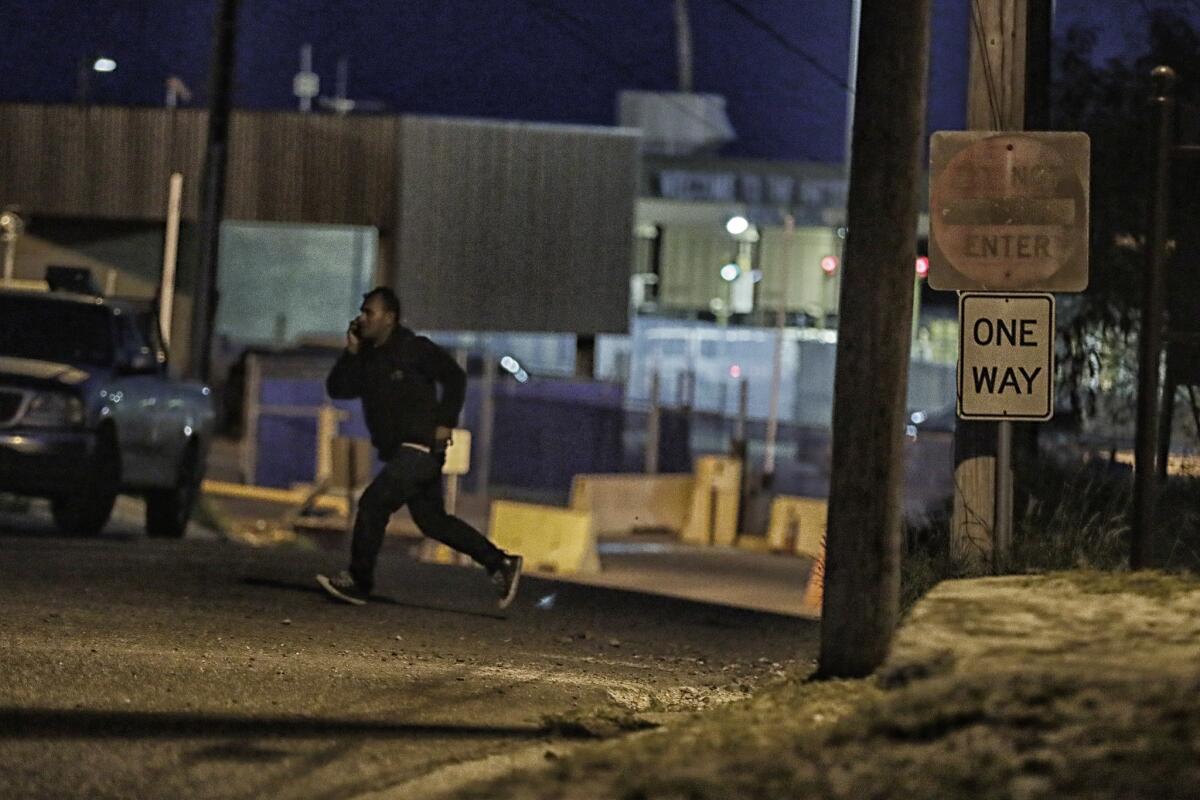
(862, 569)
(1008, 74)
(212, 196)
(683, 45)
(1145, 476)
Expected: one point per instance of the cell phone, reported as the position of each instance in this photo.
(354, 326)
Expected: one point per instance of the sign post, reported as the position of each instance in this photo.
(1008, 222)
(1005, 373)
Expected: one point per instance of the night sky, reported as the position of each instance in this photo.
(542, 60)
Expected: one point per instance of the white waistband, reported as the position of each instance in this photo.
(416, 446)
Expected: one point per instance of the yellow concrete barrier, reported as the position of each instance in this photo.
(713, 511)
(622, 504)
(458, 453)
(753, 543)
(797, 525)
(292, 497)
(551, 539)
(352, 462)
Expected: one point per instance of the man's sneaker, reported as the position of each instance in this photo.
(506, 577)
(342, 587)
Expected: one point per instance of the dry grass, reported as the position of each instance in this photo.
(1075, 685)
(1071, 679)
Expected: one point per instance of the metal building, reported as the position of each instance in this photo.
(482, 225)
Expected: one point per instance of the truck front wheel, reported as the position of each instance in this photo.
(87, 510)
(168, 510)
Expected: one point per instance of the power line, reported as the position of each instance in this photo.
(809, 107)
(555, 16)
(561, 19)
(546, 9)
(570, 24)
(787, 44)
(584, 29)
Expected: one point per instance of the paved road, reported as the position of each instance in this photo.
(207, 669)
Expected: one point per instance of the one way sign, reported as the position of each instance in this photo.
(1006, 356)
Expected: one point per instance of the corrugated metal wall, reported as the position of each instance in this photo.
(490, 225)
(312, 168)
(105, 162)
(97, 161)
(809, 289)
(692, 256)
(510, 226)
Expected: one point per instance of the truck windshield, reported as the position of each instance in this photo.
(55, 330)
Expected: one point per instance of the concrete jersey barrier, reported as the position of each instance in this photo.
(627, 503)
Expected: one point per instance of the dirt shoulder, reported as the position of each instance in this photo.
(1064, 685)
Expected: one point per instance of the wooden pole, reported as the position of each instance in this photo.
(166, 285)
(862, 579)
(220, 102)
(996, 101)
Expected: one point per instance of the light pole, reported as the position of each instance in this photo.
(83, 76)
(11, 228)
(789, 227)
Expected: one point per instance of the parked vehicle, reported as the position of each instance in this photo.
(88, 410)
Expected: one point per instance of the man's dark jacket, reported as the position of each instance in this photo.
(398, 383)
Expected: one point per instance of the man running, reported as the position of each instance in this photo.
(397, 374)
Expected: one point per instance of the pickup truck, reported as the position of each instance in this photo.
(88, 410)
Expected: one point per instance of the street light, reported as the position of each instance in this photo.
(83, 76)
(11, 228)
(737, 225)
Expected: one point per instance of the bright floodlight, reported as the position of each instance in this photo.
(730, 272)
(737, 225)
(104, 65)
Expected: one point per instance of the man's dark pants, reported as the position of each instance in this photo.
(412, 477)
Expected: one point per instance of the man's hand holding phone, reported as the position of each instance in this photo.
(353, 342)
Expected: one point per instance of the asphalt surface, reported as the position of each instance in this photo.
(202, 668)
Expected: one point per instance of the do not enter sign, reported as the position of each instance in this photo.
(1006, 356)
(1008, 211)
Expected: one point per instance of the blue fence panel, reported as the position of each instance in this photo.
(544, 432)
(286, 446)
(542, 444)
(287, 451)
(292, 392)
